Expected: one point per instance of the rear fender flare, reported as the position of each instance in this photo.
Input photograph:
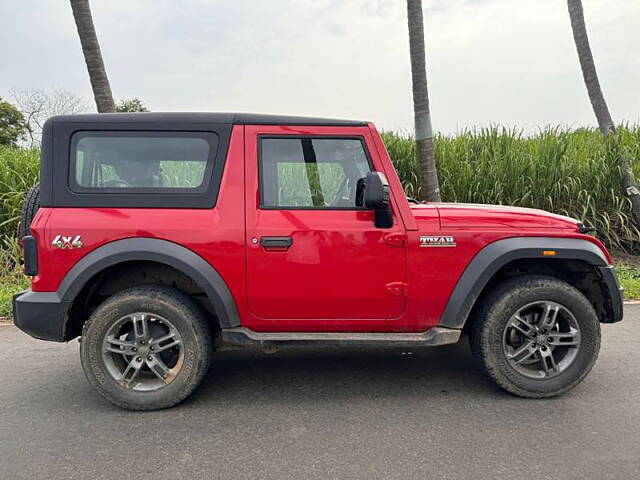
(156, 250)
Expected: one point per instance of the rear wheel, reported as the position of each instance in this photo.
(536, 336)
(146, 348)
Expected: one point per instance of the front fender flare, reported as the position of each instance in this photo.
(496, 255)
(156, 250)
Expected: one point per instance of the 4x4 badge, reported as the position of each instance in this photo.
(67, 242)
(444, 241)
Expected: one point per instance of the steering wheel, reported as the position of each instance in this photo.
(342, 190)
(115, 184)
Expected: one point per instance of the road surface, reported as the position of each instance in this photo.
(323, 414)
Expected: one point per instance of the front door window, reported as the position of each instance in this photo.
(312, 173)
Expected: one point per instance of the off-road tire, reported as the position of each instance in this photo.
(29, 208)
(486, 334)
(187, 317)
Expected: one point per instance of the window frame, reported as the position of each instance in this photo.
(261, 137)
(211, 138)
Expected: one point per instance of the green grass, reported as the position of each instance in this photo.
(571, 172)
(12, 280)
(19, 171)
(9, 285)
(629, 276)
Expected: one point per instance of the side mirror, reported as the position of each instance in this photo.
(376, 197)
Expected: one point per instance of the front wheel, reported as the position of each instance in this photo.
(536, 336)
(146, 348)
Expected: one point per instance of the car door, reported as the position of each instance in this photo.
(313, 251)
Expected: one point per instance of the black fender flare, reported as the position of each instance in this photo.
(497, 254)
(156, 250)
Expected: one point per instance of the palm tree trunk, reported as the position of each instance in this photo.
(599, 104)
(93, 56)
(430, 189)
(588, 66)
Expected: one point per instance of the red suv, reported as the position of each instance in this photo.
(161, 236)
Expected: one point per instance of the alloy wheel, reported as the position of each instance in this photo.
(541, 340)
(143, 351)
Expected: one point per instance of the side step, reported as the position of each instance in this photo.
(248, 338)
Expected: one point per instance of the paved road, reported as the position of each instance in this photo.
(323, 413)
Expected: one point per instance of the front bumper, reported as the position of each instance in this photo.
(40, 314)
(615, 292)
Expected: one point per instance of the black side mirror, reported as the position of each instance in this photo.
(376, 197)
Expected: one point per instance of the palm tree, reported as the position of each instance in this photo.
(589, 73)
(599, 104)
(430, 189)
(93, 56)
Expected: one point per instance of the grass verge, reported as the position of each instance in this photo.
(628, 274)
(628, 270)
(12, 280)
(10, 285)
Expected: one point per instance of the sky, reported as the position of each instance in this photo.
(508, 62)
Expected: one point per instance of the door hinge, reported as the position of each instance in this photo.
(397, 289)
(396, 239)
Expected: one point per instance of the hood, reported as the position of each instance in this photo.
(475, 215)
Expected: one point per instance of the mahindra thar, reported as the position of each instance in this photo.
(158, 237)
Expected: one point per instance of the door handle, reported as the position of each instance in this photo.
(276, 243)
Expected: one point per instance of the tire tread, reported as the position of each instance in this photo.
(176, 299)
(30, 207)
(481, 326)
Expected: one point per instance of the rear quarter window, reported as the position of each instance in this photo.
(141, 162)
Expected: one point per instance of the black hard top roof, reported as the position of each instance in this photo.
(201, 117)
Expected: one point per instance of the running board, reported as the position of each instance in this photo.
(247, 338)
